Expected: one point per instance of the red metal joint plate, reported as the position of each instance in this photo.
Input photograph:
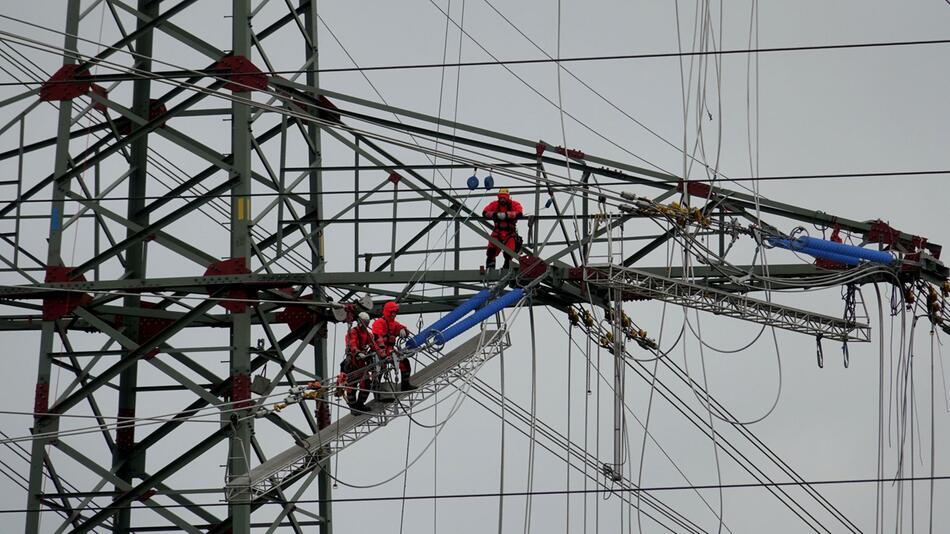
(63, 85)
(883, 233)
(63, 302)
(241, 391)
(150, 327)
(296, 316)
(231, 266)
(41, 399)
(125, 430)
(244, 76)
(831, 265)
(531, 266)
(569, 152)
(540, 148)
(328, 110)
(102, 92)
(697, 189)
(156, 108)
(394, 177)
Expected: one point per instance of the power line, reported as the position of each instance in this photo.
(173, 74)
(487, 495)
(528, 188)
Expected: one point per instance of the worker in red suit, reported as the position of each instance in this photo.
(360, 344)
(387, 330)
(504, 214)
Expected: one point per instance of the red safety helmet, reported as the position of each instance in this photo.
(390, 309)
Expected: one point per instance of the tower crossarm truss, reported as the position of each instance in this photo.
(637, 284)
(456, 367)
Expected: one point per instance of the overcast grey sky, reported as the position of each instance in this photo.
(834, 111)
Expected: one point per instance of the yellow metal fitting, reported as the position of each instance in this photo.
(588, 319)
(627, 322)
(573, 317)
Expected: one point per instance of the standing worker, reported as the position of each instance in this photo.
(359, 347)
(387, 329)
(504, 213)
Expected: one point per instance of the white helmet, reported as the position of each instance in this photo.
(363, 318)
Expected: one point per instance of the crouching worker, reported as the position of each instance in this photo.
(387, 330)
(355, 368)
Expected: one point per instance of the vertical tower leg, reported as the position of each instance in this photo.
(135, 261)
(240, 365)
(321, 364)
(43, 425)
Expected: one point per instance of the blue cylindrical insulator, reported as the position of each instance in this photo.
(472, 182)
(489, 182)
(877, 256)
(549, 202)
(490, 309)
(799, 246)
(472, 303)
(788, 244)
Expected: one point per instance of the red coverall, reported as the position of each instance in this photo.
(504, 230)
(359, 339)
(387, 330)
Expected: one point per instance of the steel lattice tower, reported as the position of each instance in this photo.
(149, 279)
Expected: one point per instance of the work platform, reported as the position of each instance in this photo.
(288, 466)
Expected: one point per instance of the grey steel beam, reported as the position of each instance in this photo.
(146, 17)
(172, 243)
(199, 284)
(134, 258)
(108, 476)
(110, 373)
(44, 426)
(315, 159)
(142, 488)
(136, 237)
(139, 31)
(239, 446)
(81, 379)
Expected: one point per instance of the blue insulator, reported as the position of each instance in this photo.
(490, 309)
(788, 244)
(799, 246)
(549, 202)
(472, 303)
(850, 261)
(876, 256)
(489, 182)
(472, 182)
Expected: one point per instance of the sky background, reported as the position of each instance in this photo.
(834, 111)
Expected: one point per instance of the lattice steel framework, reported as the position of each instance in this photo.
(271, 274)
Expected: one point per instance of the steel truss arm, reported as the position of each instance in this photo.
(612, 169)
(637, 284)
